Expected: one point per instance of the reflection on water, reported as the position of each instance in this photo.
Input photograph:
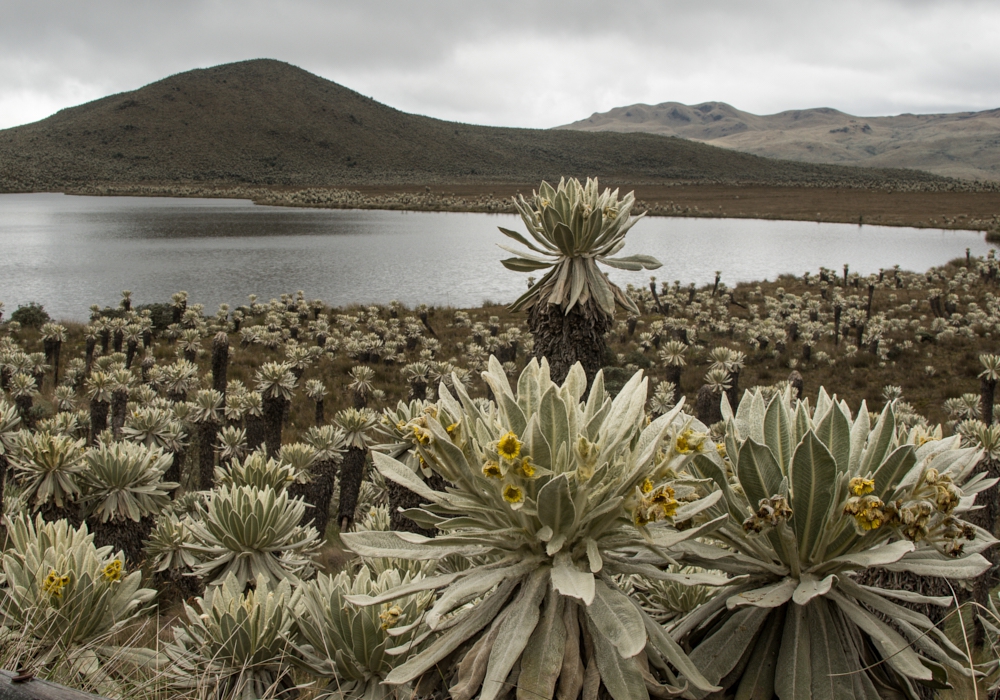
(70, 252)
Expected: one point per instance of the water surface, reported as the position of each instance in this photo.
(69, 252)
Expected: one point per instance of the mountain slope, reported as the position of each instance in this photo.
(265, 122)
(964, 144)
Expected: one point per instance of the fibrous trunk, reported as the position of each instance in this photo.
(351, 472)
(125, 535)
(119, 402)
(401, 498)
(567, 338)
(98, 419)
(255, 431)
(208, 431)
(274, 416)
(317, 493)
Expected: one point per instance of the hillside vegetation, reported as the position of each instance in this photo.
(962, 145)
(264, 122)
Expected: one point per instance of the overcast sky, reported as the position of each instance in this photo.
(515, 63)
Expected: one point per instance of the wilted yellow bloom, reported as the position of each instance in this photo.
(513, 494)
(867, 512)
(656, 505)
(721, 449)
(527, 468)
(688, 442)
(390, 617)
(860, 486)
(509, 446)
(421, 435)
(54, 583)
(113, 571)
(492, 470)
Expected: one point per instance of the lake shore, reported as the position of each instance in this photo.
(960, 210)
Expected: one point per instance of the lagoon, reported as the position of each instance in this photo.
(68, 252)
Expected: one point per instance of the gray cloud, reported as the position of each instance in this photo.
(523, 63)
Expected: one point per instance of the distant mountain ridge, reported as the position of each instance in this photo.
(267, 123)
(962, 145)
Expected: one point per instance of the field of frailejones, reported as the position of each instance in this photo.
(779, 489)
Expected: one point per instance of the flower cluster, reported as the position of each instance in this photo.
(653, 504)
(770, 512)
(113, 571)
(867, 510)
(54, 583)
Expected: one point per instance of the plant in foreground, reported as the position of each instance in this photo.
(357, 647)
(550, 489)
(63, 600)
(816, 498)
(235, 644)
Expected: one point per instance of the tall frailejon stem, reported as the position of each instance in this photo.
(572, 228)
(356, 424)
(275, 382)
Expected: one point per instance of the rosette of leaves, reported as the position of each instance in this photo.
(48, 467)
(357, 647)
(253, 534)
(168, 551)
(122, 491)
(397, 427)
(572, 228)
(548, 487)
(817, 498)
(259, 471)
(64, 599)
(235, 644)
(9, 421)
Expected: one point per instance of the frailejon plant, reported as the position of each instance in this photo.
(253, 534)
(573, 227)
(552, 490)
(123, 490)
(235, 644)
(63, 599)
(357, 647)
(815, 498)
(49, 467)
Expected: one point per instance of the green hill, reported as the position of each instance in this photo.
(264, 122)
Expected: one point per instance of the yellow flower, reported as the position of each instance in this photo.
(860, 486)
(647, 486)
(689, 441)
(390, 617)
(421, 435)
(451, 428)
(867, 512)
(54, 583)
(113, 571)
(721, 449)
(492, 470)
(513, 494)
(509, 446)
(527, 468)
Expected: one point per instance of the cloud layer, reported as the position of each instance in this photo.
(520, 63)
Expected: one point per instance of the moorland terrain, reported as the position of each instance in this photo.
(275, 133)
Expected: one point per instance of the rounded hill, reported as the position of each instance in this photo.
(265, 122)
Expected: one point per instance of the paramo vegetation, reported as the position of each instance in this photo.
(778, 489)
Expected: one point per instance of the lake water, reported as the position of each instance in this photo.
(70, 252)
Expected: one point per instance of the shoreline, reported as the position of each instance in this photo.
(957, 210)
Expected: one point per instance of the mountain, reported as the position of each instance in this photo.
(264, 122)
(962, 145)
